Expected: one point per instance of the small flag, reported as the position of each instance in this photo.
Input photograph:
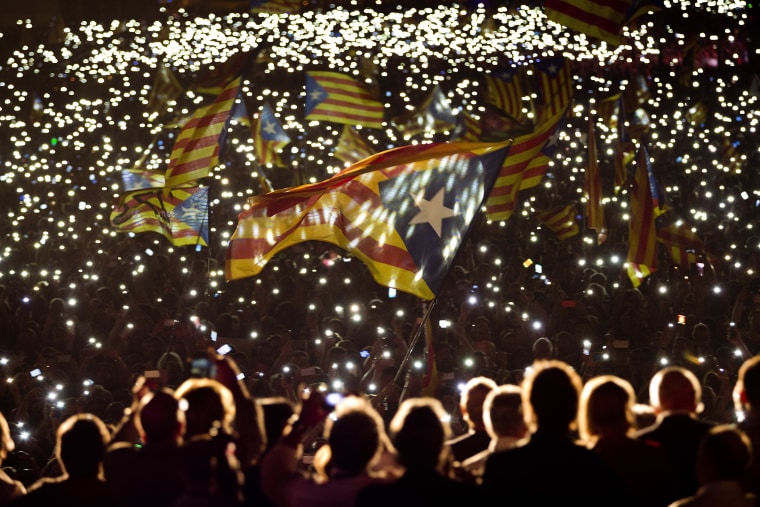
(433, 115)
(197, 147)
(165, 89)
(269, 138)
(524, 168)
(180, 214)
(595, 219)
(642, 233)
(351, 147)
(505, 92)
(554, 85)
(403, 212)
(336, 97)
(560, 220)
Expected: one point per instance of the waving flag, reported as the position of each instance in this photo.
(682, 244)
(433, 115)
(601, 19)
(642, 233)
(523, 169)
(403, 212)
(593, 188)
(505, 92)
(197, 147)
(336, 97)
(351, 147)
(555, 86)
(180, 214)
(560, 220)
(624, 150)
(269, 138)
(165, 89)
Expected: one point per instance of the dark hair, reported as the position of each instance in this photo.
(550, 396)
(82, 440)
(418, 433)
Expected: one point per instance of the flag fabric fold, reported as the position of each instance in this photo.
(269, 138)
(595, 219)
(197, 147)
(524, 168)
(403, 212)
(642, 232)
(336, 97)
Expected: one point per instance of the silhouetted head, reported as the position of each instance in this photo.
(81, 445)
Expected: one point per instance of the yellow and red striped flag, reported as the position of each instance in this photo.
(197, 147)
(504, 91)
(524, 168)
(593, 186)
(336, 97)
(601, 19)
(179, 214)
(269, 138)
(403, 212)
(560, 220)
(642, 233)
(351, 147)
(554, 85)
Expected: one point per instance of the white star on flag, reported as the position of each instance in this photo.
(431, 212)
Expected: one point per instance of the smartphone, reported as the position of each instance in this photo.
(35, 373)
(224, 349)
(364, 354)
(214, 336)
(682, 319)
(307, 372)
(391, 292)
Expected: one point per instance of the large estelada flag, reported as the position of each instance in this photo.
(336, 97)
(403, 212)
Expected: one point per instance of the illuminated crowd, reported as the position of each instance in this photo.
(86, 310)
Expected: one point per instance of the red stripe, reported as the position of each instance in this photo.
(586, 18)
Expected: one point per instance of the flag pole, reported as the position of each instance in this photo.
(415, 338)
